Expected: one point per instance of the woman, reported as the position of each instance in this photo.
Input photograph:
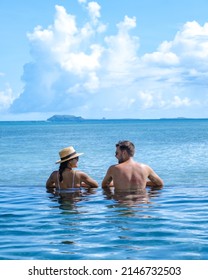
(67, 178)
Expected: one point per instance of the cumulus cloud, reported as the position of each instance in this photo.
(147, 98)
(177, 101)
(94, 11)
(6, 98)
(85, 70)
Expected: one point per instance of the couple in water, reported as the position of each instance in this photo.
(125, 177)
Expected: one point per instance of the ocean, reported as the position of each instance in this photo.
(171, 225)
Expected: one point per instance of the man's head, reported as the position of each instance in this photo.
(124, 150)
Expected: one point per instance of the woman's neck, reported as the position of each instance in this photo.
(69, 168)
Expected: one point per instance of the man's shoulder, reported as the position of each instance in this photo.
(146, 168)
(112, 167)
(144, 165)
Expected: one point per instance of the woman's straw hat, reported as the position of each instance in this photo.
(67, 154)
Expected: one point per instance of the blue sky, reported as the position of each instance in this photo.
(112, 59)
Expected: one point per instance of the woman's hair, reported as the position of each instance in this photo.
(127, 146)
(62, 166)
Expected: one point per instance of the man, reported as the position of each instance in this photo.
(128, 175)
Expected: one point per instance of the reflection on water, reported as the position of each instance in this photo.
(95, 225)
(69, 198)
(134, 197)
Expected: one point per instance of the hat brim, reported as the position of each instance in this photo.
(74, 156)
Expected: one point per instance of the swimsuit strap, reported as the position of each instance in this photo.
(58, 180)
(73, 179)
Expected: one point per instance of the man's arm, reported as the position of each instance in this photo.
(155, 180)
(108, 179)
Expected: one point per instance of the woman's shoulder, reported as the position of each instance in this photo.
(54, 172)
(79, 172)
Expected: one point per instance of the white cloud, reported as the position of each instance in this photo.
(93, 82)
(161, 58)
(83, 67)
(147, 99)
(6, 98)
(64, 23)
(127, 24)
(152, 100)
(191, 43)
(82, 62)
(41, 35)
(94, 11)
(125, 103)
(82, 1)
(121, 61)
(177, 101)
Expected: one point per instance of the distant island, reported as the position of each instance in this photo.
(64, 118)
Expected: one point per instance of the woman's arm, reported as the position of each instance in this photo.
(50, 183)
(87, 181)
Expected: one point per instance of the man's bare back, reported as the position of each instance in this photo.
(128, 175)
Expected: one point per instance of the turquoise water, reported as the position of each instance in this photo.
(171, 224)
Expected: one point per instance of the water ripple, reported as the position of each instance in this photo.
(37, 225)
